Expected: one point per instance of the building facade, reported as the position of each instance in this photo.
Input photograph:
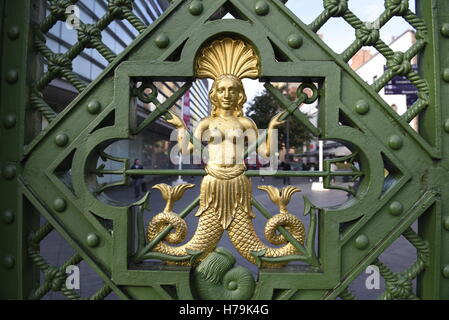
(152, 146)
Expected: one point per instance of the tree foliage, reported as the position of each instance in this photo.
(264, 107)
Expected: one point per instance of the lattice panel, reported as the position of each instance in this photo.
(368, 35)
(54, 277)
(59, 65)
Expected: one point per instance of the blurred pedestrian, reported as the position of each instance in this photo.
(311, 169)
(334, 169)
(137, 180)
(285, 166)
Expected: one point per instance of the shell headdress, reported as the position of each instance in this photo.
(228, 57)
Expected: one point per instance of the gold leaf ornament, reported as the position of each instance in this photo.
(280, 197)
(172, 194)
(228, 56)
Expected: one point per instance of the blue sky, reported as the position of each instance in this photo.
(336, 32)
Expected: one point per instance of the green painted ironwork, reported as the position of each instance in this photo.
(35, 162)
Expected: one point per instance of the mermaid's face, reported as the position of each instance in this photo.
(228, 93)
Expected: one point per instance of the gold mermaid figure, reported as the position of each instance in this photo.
(226, 193)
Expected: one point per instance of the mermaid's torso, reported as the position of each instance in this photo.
(227, 138)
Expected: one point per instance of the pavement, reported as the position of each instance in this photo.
(398, 256)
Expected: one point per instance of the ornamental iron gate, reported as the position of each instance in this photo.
(54, 172)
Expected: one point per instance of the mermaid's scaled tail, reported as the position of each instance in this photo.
(206, 237)
(246, 241)
(239, 224)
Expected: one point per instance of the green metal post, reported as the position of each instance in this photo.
(17, 275)
(434, 125)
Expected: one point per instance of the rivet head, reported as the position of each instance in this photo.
(446, 223)
(8, 261)
(92, 240)
(233, 285)
(12, 76)
(9, 172)
(395, 142)
(9, 121)
(8, 217)
(94, 107)
(14, 33)
(61, 140)
(446, 125)
(196, 7)
(294, 41)
(445, 30)
(261, 8)
(396, 208)
(445, 271)
(362, 107)
(59, 204)
(445, 75)
(361, 242)
(162, 40)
